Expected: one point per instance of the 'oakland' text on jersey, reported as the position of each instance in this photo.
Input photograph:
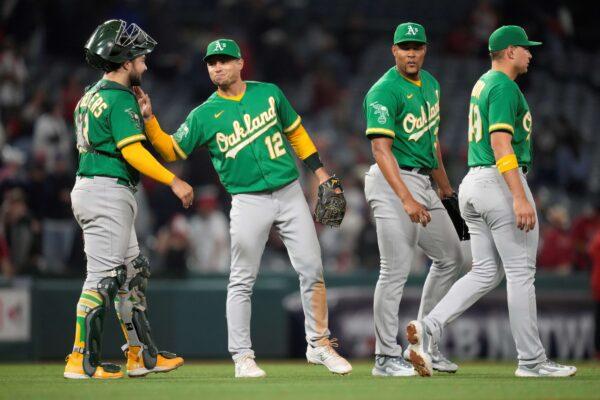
(408, 112)
(245, 138)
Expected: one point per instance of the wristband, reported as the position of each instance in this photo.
(507, 163)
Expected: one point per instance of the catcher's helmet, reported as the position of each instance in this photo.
(115, 42)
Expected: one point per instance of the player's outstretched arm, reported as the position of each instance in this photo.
(439, 175)
(140, 159)
(507, 164)
(160, 140)
(382, 151)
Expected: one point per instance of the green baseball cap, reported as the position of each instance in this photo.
(410, 32)
(226, 47)
(509, 35)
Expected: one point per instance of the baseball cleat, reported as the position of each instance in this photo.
(392, 366)
(245, 367)
(547, 369)
(327, 356)
(438, 361)
(74, 369)
(419, 343)
(136, 368)
(406, 354)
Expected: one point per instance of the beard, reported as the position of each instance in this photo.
(135, 79)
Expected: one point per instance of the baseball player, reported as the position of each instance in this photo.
(244, 125)
(499, 209)
(109, 135)
(402, 110)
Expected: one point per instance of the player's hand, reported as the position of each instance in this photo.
(417, 212)
(445, 193)
(183, 191)
(524, 214)
(144, 102)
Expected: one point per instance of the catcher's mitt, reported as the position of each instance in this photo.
(451, 204)
(331, 206)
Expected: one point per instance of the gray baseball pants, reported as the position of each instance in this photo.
(105, 211)
(498, 248)
(397, 237)
(252, 216)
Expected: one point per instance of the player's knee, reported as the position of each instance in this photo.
(519, 273)
(486, 277)
(242, 280)
(393, 265)
(139, 269)
(109, 286)
(311, 275)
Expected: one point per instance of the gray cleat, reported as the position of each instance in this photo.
(441, 363)
(392, 366)
(548, 369)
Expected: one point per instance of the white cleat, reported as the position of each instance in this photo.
(245, 367)
(438, 361)
(546, 369)
(419, 342)
(392, 366)
(327, 356)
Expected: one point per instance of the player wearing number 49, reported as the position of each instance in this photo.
(246, 127)
(499, 209)
(403, 114)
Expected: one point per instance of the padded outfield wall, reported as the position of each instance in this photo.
(188, 317)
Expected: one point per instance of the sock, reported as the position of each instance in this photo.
(89, 300)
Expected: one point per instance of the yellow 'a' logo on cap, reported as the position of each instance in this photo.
(412, 30)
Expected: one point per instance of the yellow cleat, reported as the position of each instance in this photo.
(136, 368)
(74, 369)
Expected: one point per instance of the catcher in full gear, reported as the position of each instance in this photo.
(250, 131)
(109, 131)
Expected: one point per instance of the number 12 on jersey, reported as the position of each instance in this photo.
(275, 145)
(475, 126)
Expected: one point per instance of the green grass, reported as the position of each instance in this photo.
(296, 380)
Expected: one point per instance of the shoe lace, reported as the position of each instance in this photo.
(400, 362)
(551, 363)
(246, 359)
(330, 348)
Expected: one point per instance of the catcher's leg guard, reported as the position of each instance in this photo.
(84, 361)
(142, 354)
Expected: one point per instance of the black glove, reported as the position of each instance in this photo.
(451, 204)
(331, 206)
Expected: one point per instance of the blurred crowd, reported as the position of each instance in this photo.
(324, 58)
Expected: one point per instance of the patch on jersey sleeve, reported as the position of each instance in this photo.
(182, 132)
(381, 111)
(135, 118)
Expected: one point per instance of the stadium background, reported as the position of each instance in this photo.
(324, 55)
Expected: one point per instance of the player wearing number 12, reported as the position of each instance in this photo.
(246, 127)
(499, 209)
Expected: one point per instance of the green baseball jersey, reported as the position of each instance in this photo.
(497, 104)
(107, 118)
(245, 138)
(408, 113)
